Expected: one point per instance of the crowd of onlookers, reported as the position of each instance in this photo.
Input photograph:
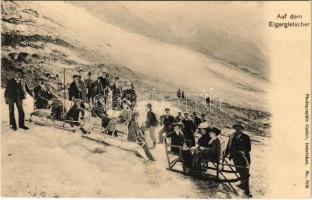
(92, 95)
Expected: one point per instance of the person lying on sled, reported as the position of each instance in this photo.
(208, 147)
(123, 119)
(45, 98)
(177, 140)
(74, 112)
(136, 134)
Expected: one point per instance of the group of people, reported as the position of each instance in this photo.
(92, 95)
(208, 148)
(88, 89)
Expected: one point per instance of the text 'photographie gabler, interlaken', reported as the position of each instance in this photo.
(307, 141)
(138, 99)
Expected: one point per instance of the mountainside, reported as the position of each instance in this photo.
(41, 38)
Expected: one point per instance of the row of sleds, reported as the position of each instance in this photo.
(221, 172)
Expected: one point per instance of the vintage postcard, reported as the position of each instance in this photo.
(156, 99)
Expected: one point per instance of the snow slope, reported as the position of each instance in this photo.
(176, 66)
(49, 162)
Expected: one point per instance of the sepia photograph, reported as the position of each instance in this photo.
(159, 99)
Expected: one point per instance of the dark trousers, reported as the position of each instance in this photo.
(21, 113)
(240, 160)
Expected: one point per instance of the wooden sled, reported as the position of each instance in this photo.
(220, 172)
(42, 117)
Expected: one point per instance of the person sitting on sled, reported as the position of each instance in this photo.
(208, 147)
(136, 134)
(128, 93)
(45, 98)
(177, 143)
(99, 110)
(123, 119)
(73, 114)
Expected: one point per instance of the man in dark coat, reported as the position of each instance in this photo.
(165, 120)
(189, 130)
(105, 83)
(15, 93)
(42, 94)
(89, 83)
(238, 149)
(178, 118)
(74, 112)
(151, 123)
(82, 86)
(196, 119)
(75, 91)
(179, 93)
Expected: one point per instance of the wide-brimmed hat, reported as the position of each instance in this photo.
(214, 130)
(239, 124)
(179, 124)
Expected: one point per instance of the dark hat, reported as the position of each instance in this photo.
(239, 124)
(214, 130)
(149, 105)
(89, 73)
(42, 79)
(76, 76)
(48, 75)
(181, 125)
(167, 109)
(80, 70)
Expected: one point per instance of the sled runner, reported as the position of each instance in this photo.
(42, 117)
(221, 171)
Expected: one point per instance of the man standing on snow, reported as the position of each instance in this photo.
(189, 130)
(15, 93)
(151, 123)
(82, 86)
(166, 120)
(90, 87)
(238, 149)
(105, 83)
